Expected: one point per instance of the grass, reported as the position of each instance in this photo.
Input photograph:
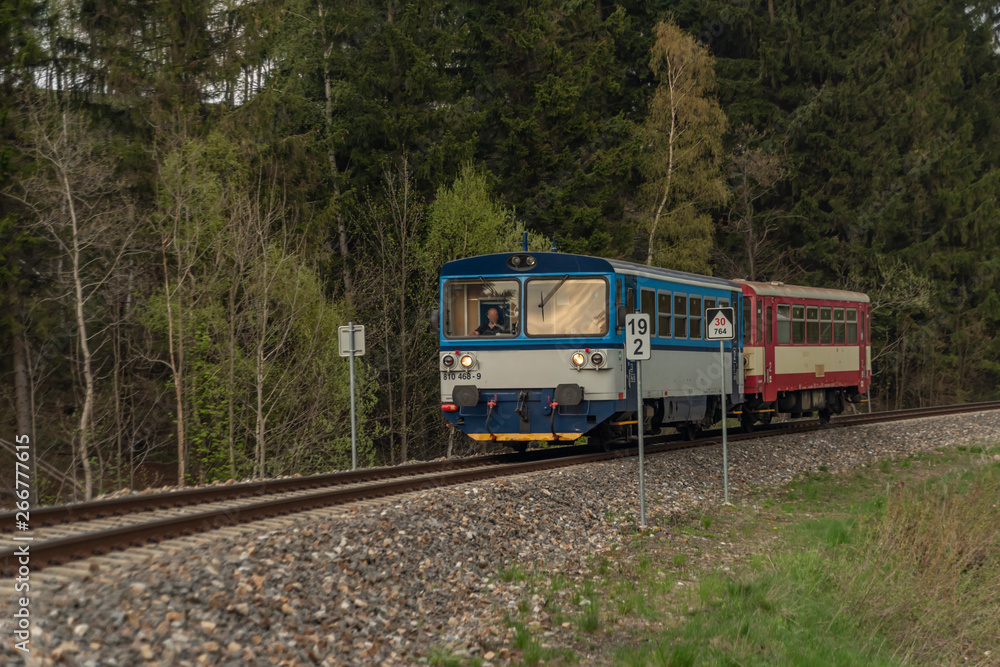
(896, 563)
(909, 574)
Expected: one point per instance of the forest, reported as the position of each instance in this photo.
(196, 194)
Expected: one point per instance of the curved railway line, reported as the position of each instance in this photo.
(65, 533)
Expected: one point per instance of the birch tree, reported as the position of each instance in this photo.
(682, 153)
(76, 203)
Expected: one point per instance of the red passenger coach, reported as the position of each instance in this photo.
(805, 350)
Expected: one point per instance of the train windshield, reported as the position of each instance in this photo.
(481, 307)
(565, 306)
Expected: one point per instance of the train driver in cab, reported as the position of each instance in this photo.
(491, 327)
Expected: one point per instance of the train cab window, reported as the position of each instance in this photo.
(784, 324)
(566, 306)
(680, 315)
(838, 326)
(468, 302)
(663, 311)
(768, 326)
(647, 304)
(746, 319)
(798, 324)
(852, 326)
(826, 325)
(812, 325)
(696, 316)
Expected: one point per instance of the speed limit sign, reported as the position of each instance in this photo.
(637, 337)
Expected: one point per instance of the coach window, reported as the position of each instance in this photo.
(798, 324)
(852, 326)
(784, 324)
(680, 315)
(812, 325)
(663, 309)
(696, 317)
(467, 303)
(647, 304)
(825, 326)
(838, 326)
(747, 329)
(565, 306)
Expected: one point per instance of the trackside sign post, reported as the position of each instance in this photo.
(721, 326)
(352, 344)
(636, 349)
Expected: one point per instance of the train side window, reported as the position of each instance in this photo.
(838, 326)
(663, 310)
(798, 324)
(812, 325)
(784, 324)
(760, 322)
(768, 327)
(647, 305)
(696, 316)
(680, 315)
(825, 326)
(746, 319)
(709, 303)
(852, 326)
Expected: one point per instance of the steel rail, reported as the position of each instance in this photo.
(60, 550)
(98, 509)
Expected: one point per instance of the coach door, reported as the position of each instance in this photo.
(768, 332)
(863, 344)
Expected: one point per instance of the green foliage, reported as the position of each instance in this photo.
(681, 157)
(465, 220)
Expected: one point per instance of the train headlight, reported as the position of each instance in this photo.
(467, 361)
(447, 361)
(578, 359)
(597, 358)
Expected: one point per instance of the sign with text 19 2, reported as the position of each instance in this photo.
(637, 337)
(720, 324)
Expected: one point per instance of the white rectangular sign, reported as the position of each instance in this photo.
(720, 324)
(637, 337)
(359, 340)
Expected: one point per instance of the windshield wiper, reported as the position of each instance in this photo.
(551, 294)
(488, 285)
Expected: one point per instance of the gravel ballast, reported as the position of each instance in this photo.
(390, 583)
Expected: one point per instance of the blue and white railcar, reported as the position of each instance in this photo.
(549, 362)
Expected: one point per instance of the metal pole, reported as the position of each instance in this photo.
(640, 419)
(354, 439)
(725, 458)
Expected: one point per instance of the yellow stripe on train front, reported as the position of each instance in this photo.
(510, 437)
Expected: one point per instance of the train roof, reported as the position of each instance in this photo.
(557, 262)
(794, 291)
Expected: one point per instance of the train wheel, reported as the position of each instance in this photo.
(603, 435)
(824, 416)
(747, 421)
(688, 431)
(520, 447)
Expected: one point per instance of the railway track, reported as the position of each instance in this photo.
(68, 532)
